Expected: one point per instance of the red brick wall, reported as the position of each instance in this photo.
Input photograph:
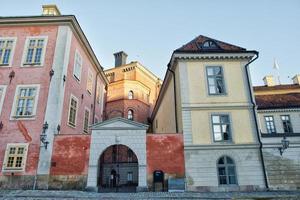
(70, 155)
(119, 108)
(165, 152)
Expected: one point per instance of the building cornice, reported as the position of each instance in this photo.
(278, 110)
(221, 146)
(68, 20)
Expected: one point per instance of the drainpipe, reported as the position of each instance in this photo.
(95, 97)
(255, 119)
(175, 100)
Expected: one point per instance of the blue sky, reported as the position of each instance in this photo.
(148, 31)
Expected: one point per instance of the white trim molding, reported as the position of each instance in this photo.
(25, 51)
(14, 107)
(2, 97)
(11, 57)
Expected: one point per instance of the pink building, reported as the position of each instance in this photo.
(52, 88)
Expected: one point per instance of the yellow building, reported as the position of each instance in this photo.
(206, 95)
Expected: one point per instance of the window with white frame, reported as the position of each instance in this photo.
(215, 80)
(35, 51)
(221, 127)
(270, 125)
(6, 51)
(2, 95)
(77, 66)
(25, 101)
(226, 171)
(130, 94)
(72, 111)
(286, 123)
(15, 157)
(89, 84)
(86, 120)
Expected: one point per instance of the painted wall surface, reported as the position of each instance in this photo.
(165, 152)
(14, 131)
(241, 129)
(79, 90)
(164, 120)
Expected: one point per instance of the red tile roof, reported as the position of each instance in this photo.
(276, 87)
(196, 45)
(278, 101)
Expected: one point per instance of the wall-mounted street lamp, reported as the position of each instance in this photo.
(284, 145)
(43, 136)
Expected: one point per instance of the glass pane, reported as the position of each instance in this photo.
(217, 129)
(210, 71)
(212, 90)
(231, 170)
(222, 180)
(232, 180)
(218, 136)
(224, 119)
(216, 119)
(220, 86)
(229, 160)
(226, 136)
(222, 171)
(217, 71)
(221, 161)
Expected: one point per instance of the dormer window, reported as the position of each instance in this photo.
(209, 44)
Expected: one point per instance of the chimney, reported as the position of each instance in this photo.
(120, 58)
(269, 81)
(50, 10)
(296, 79)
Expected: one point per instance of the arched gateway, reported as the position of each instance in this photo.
(109, 140)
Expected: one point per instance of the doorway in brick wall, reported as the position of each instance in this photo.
(118, 170)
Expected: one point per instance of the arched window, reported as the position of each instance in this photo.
(130, 94)
(130, 115)
(226, 171)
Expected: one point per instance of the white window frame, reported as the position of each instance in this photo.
(14, 107)
(3, 87)
(25, 51)
(75, 124)
(90, 73)
(80, 71)
(86, 109)
(8, 146)
(12, 51)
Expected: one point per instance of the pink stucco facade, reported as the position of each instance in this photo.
(28, 130)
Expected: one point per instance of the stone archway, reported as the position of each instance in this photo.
(118, 131)
(117, 170)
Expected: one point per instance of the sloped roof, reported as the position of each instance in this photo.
(119, 123)
(276, 87)
(278, 101)
(196, 46)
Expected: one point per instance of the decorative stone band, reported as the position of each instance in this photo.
(221, 146)
(279, 110)
(200, 106)
(278, 144)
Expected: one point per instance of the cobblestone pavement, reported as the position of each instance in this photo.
(70, 195)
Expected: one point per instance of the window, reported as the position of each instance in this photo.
(221, 127)
(270, 124)
(25, 101)
(129, 176)
(215, 80)
(89, 84)
(209, 44)
(86, 120)
(6, 50)
(35, 51)
(130, 115)
(72, 111)
(129, 155)
(15, 157)
(226, 171)
(286, 123)
(130, 94)
(77, 66)
(2, 95)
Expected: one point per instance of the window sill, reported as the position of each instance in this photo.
(32, 64)
(4, 65)
(76, 78)
(31, 117)
(72, 126)
(12, 170)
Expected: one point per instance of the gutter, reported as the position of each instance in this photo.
(175, 99)
(255, 119)
(95, 96)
